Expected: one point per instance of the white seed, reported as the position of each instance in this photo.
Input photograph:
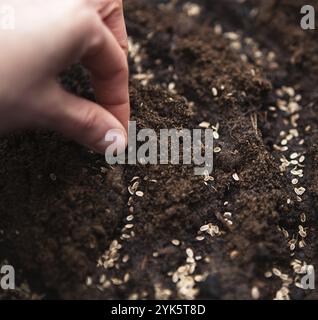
(189, 253)
(216, 135)
(300, 191)
(175, 242)
(277, 272)
(284, 142)
(303, 217)
(255, 293)
(214, 92)
(204, 125)
(139, 194)
(294, 155)
(294, 181)
(130, 217)
(89, 281)
(204, 228)
(235, 177)
(228, 215)
(217, 150)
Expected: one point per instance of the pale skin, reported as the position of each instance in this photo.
(48, 37)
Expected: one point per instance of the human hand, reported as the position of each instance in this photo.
(48, 37)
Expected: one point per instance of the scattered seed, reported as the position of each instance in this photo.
(200, 238)
(130, 217)
(301, 159)
(228, 215)
(216, 135)
(277, 272)
(234, 254)
(204, 228)
(235, 177)
(175, 242)
(300, 191)
(139, 194)
(255, 293)
(204, 125)
(294, 181)
(89, 281)
(189, 252)
(303, 217)
(214, 92)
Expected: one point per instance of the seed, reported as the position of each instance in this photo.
(129, 226)
(294, 181)
(277, 272)
(214, 92)
(255, 293)
(139, 194)
(235, 177)
(204, 125)
(126, 277)
(130, 217)
(200, 238)
(190, 260)
(231, 36)
(216, 136)
(171, 86)
(217, 150)
(302, 232)
(198, 278)
(300, 191)
(175, 242)
(284, 142)
(234, 254)
(294, 155)
(125, 258)
(89, 281)
(102, 279)
(302, 244)
(303, 217)
(189, 253)
(301, 159)
(227, 214)
(204, 228)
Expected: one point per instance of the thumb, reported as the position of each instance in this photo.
(86, 122)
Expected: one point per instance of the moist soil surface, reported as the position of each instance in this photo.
(75, 227)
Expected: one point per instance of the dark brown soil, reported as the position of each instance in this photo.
(62, 208)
